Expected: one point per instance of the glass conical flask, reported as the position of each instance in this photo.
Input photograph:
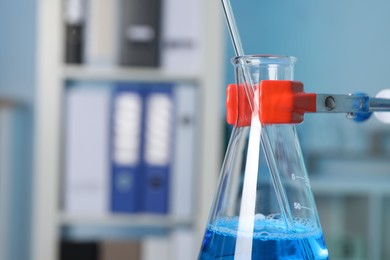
(264, 207)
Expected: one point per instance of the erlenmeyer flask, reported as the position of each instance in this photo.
(264, 207)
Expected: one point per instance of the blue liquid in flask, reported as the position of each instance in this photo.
(270, 240)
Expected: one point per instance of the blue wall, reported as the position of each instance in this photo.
(17, 79)
(17, 47)
(341, 46)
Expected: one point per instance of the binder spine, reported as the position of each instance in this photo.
(86, 137)
(126, 148)
(140, 33)
(102, 33)
(74, 31)
(158, 148)
(181, 36)
(184, 162)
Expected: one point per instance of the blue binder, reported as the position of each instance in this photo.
(157, 148)
(127, 123)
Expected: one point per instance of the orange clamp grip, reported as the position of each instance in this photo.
(280, 102)
(238, 110)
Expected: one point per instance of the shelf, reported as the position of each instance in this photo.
(125, 220)
(350, 184)
(119, 226)
(75, 72)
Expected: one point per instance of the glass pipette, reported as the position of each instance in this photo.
(254, 134)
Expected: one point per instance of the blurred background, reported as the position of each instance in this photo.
(85, 84)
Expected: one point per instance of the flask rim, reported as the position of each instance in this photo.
(264, 59)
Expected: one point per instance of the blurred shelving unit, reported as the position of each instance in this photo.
(352, 211)
(352, 193)
(50, 224)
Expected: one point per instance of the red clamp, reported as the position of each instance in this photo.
(280, 102)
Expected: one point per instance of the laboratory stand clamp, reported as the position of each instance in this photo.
(285, 102)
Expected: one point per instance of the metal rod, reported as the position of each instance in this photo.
(336, 103)
(379, 104)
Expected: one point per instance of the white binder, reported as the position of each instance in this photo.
(86, 151)
(184, 161)
(181, 36)
(102, 33)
